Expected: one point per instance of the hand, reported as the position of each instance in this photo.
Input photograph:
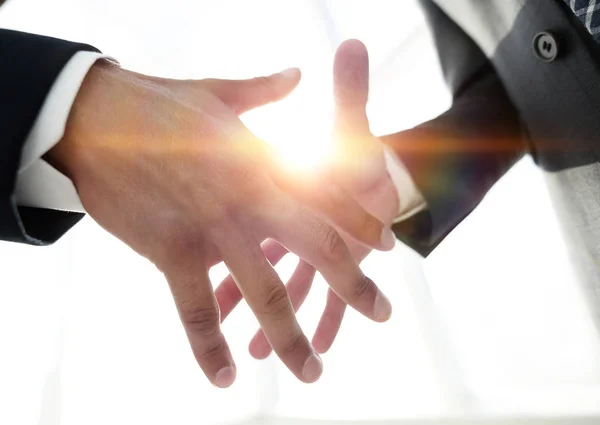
(167, 167)
(360, 168)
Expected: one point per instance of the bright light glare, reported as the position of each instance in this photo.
(298, 128)
(303, 153)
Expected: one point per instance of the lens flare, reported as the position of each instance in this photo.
(299, 135)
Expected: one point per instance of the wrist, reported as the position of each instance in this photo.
(95, 89)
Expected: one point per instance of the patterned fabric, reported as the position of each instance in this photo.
(588, 11)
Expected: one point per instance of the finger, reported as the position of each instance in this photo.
(333, 315)
(298, 287)
(358, 155)
(199, 313)
(267, 297)
(340, 208)
(329, 325)
(319, 244)
(228, 294)
(351, 82)
(244, 95)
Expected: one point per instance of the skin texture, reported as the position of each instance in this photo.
(168, 168)
(359, 167)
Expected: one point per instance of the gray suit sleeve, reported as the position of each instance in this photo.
(457, 157)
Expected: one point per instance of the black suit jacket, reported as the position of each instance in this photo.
(30, 65)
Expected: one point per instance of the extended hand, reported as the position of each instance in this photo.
(167, 167)
(359, 166)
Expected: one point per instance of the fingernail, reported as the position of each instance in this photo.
(313, 368)
(388, 239)
(290, 73)
(382, 308)
(225, 377)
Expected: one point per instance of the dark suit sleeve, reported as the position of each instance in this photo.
(30, 65)
(456, 158)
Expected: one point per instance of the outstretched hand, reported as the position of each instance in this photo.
(359, 167)
(167, 167)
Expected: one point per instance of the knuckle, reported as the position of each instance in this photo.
(264, 83)
(293, 344)
(212, 351)
(370, 226)
(203, 321)
(361, 287)
(267, 88)
(276, 300)
(331, 244)
(179, 246)
(168, 244)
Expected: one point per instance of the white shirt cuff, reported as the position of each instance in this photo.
(38, 183)
(411, 199)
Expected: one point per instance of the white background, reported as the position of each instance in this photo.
(89, 333)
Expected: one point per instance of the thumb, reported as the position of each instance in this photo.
(360, 161)
(244, 95)
(351, 78)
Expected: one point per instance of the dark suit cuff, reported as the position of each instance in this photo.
(31, 64)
